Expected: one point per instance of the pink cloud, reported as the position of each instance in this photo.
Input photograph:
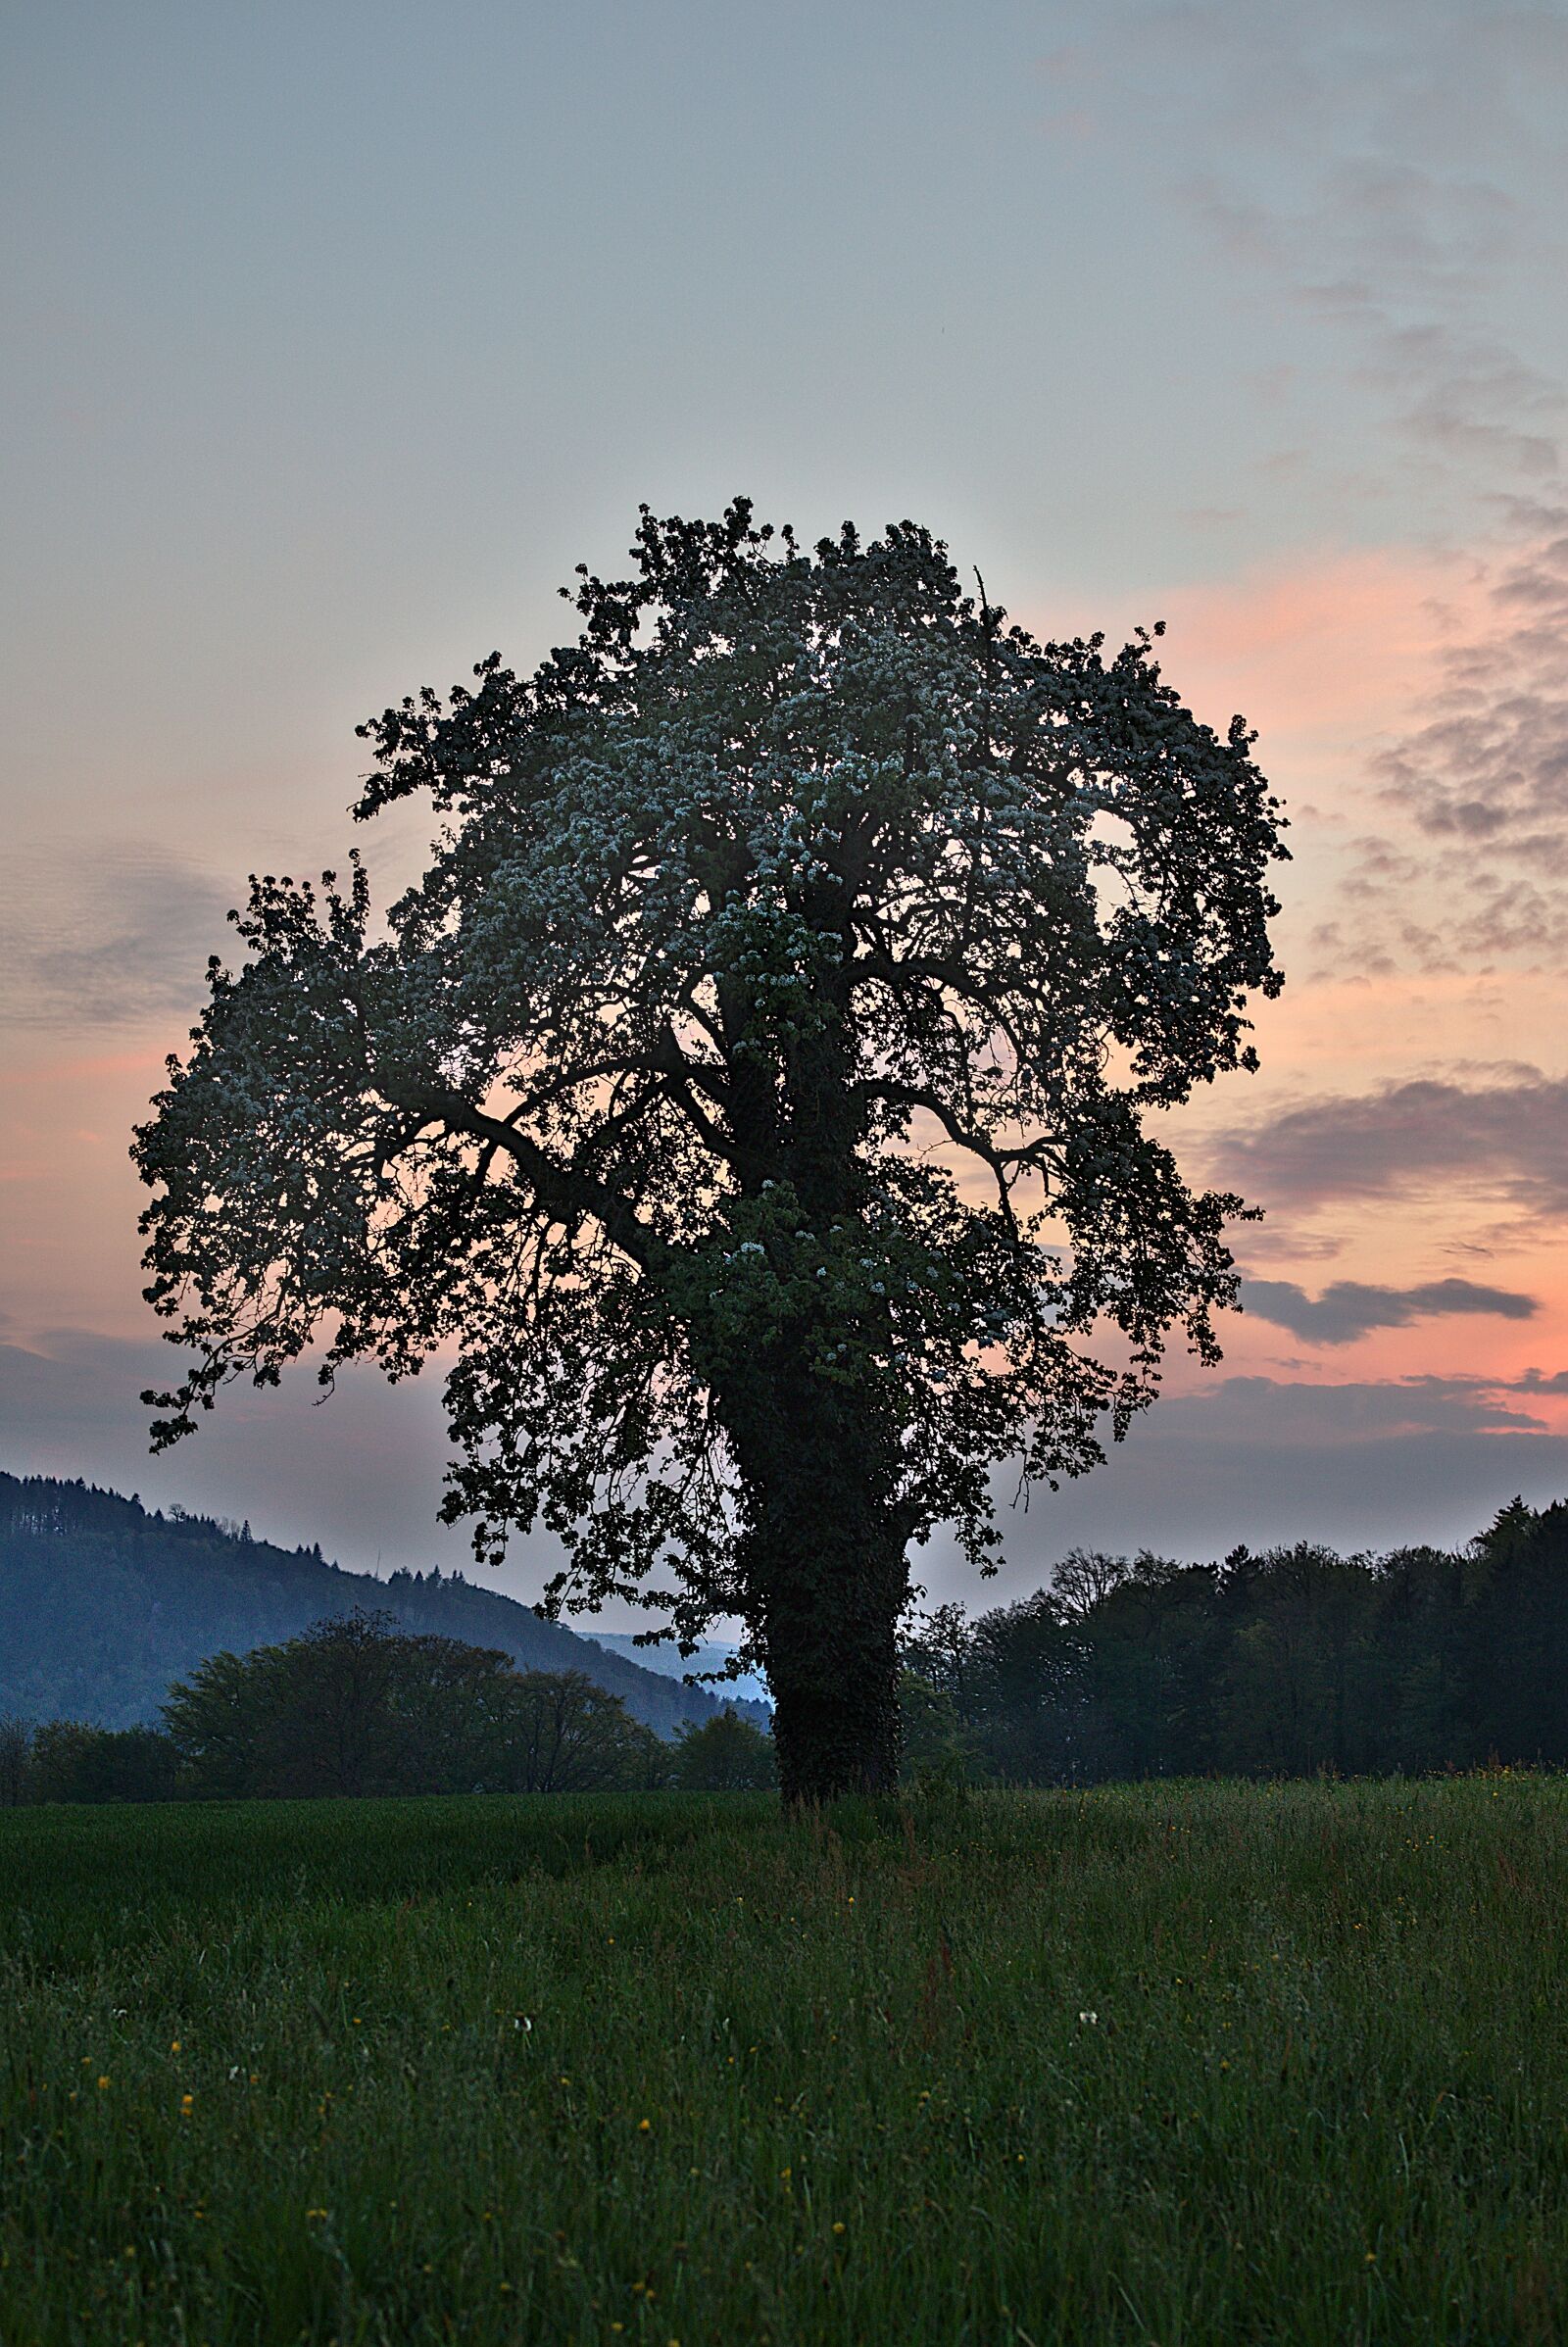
(1320, 649)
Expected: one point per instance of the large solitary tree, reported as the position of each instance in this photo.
(753, 1095)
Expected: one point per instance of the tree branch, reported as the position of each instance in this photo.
(563, 1188)
(1004, 1162)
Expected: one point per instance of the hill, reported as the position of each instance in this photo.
(102, 1604)
(668, 1662)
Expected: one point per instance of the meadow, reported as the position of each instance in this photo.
(1176, 2063)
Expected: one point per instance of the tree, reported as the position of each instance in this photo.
(351, 1706)
(938, 1649)
(933, 1749)
(563, 1733)
(331, 1696)
(73, 1760)
(221, 1721)
(1085, 1577)
(15, 1759)
(355, 1705)
(1519, 1577)
(726, 1755)
(1301, 1663)
(752, 1093)
(1027, 1694)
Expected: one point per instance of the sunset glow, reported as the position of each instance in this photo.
(1263, 340)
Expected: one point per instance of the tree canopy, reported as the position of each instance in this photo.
(753, 1094)
(725, 1755)
(1281, 1664)
(355, 1705)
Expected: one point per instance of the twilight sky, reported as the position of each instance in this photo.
(338, 335)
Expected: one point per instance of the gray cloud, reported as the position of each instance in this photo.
(1301, 1415)
(105, 935)
(1504, 1138)
(1491, 765)
(1346, 1309)
(1268, 1460)
(1400, 242)
(1429, 180)
(1258, 1459)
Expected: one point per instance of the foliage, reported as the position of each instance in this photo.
(1282, 1664)
(935, 1749)
(726, 1755)
(1188, 2062)
(16, 1756)
(70, 1760)
(801, 888)
(354, 1706)
(561, 1733)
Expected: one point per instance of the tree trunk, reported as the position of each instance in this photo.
(826, 1576)
(833, 1671)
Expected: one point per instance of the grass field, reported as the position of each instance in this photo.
(1177, 2063)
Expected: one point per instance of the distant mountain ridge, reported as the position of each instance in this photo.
(670, 1663)
(102, 1604)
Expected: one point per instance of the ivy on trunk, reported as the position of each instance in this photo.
(752, 1103)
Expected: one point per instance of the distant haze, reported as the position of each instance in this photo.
(670, 1661)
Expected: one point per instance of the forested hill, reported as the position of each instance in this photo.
(102, 1605)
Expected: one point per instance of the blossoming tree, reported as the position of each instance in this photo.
(751, 1098)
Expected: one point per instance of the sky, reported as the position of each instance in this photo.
(338, 336)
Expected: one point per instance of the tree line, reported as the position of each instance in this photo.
(355, 1706)
(1283, 1664)
(1287, 1663)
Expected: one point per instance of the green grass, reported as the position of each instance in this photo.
(1177, 2063)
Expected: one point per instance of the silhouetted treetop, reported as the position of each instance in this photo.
(752, 1091)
